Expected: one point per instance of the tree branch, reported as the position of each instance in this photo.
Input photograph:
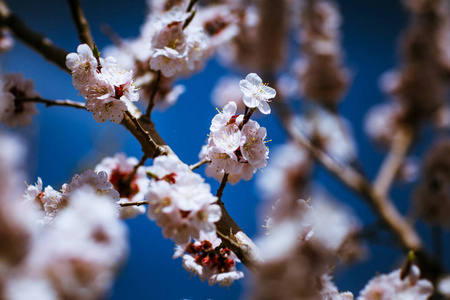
(222, 186)
(36, 41)
(151, 101)
(49, 103)
(198, 164)
(81, 24)
(394, 160)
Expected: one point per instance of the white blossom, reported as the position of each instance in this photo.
(175, 49)
(180, 201)
(107, 87)
(83, 66)
(256, 93)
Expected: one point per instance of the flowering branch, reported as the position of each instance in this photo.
(82, 25)
(142, 129)
(36, 41)
(49, 103)
(389, 169)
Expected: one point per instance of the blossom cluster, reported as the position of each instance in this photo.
(235, 148)
(174, 47)
(105, 85)
(210, 261)
(236, 144)
(13, 89)
(299, 250)
(180, 201)
(74, 257)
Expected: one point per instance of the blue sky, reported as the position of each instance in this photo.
(64, 141)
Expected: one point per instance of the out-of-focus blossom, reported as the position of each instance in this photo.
(381, 121)
(392, 286)
(13, 88)
(81, 252)
(220, 24)
(286, 176)
(227, 90)
(443, 286)
(18, 226)
(330, 132)
(119, 169)
(298, 250)
(322, 77)
(97, 181)
(6, 40)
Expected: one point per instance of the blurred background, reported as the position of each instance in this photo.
(64, 141)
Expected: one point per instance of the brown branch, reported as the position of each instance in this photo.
(151, 102)
(149, 146)
(49, 103)
(137, 203)
(393, 161)
(223, 183)
(36, 41)
(198, 164)
(81, 24)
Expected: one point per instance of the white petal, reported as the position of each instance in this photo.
(254, 79)
(250, 101)
(264, 107)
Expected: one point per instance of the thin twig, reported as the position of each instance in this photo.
(393, 161)
(198, 164)
(137, 203)
(49, 103)
(222, 186)
(151, 101)
(81, 24)
(247, 115)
